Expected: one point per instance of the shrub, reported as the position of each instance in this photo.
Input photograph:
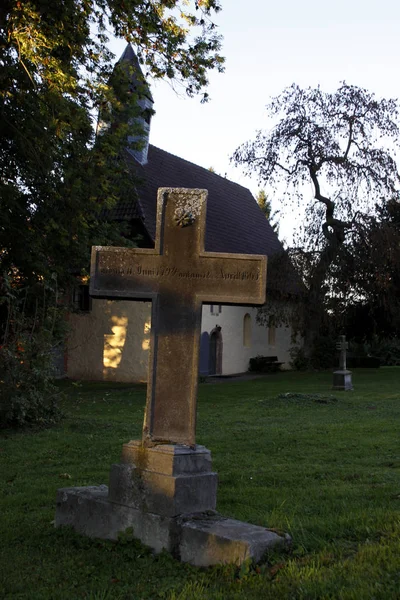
(363, 362)
(386, 349)
(28, 395)
(299, 360)
(324, 354)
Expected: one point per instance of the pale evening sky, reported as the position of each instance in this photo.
(268, 46)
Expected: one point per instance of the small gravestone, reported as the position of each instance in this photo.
(342, 377)
(164, 488)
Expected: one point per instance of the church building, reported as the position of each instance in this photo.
(109, 339)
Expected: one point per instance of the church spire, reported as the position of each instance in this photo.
(138, 80)
(138, 144)
(140, 87)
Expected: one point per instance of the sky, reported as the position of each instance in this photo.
(268, 46)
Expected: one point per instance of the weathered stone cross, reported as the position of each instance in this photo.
(177, 276)
(342, 345)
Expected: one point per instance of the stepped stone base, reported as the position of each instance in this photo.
(171, 510)
(342, 380)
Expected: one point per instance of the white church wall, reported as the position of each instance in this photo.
(236, 352)
(111, 342)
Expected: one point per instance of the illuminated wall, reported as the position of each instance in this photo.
(111, 342)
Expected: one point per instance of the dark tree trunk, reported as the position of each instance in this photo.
(314, 307)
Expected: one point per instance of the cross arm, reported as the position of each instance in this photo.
(233, 278)
(124, 273)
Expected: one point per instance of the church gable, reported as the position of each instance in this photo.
(111, 342)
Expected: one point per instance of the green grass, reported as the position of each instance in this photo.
(327, 472)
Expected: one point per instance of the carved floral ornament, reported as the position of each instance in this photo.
(188, 208)
(183, 217)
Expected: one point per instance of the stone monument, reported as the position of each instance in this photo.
(342, 377)
(164, 488)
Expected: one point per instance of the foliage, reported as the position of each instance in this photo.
(327, 473)
(367, 275)
(299, 361)
(265, 204)
(386, 349)
(323, 354)
(57, 179)
(341, 142)
(55, 75)
(28, 395)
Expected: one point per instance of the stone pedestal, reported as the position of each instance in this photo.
(167, 480)
(342, 380)
(167, 496)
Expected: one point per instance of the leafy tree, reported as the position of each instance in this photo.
(265, 204)
(55, 180)
(342, 143)
(368, 275)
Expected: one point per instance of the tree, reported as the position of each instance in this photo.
(265, 204)
(368, 276)
(55, 74)
(341, 142)
(55, 179)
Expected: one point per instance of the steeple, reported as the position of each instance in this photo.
(140, 87)
(138, 81)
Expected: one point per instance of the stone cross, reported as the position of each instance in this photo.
(342, 345)
(177, 276)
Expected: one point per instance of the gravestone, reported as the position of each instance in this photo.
(164, 487)
(342, 377)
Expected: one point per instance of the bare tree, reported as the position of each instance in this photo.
(343, 143)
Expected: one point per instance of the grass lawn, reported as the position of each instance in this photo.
(326, 472)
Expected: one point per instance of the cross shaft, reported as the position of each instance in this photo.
(177, 276)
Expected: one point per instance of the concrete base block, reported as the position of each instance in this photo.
(212, 540)
(88, 511)
(162, 494)
(170, 459)
(167, 495)
(342, 380)
(201, 539)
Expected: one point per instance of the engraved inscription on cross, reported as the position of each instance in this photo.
(342, 345)
(177, 276)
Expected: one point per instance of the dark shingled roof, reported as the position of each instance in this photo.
(234, 223)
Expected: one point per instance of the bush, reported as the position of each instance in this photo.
(386, 349)
(363, 362)
(28, 395)
(324, 354)
(299, 360)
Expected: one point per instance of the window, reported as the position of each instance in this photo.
(247, 330)
(215, 309)
(271, 332)
(81, 299)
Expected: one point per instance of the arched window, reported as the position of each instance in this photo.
(247, 330)
(271, 332)
(215, 352)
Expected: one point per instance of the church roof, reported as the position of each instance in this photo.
(234, 221)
